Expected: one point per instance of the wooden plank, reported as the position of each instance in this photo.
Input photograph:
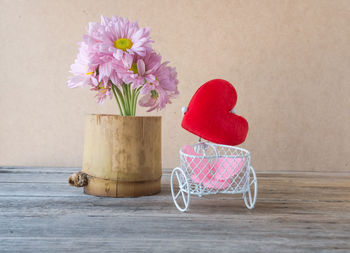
(95, 244)
(54, 175)
(215, 234)
(295, 212)
(305, 188)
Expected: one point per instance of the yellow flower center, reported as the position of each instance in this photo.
(102, 89)
(123, 44)
(155, 83)
(134, 68)
(88, 73)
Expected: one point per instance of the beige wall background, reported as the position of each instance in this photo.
(289, 62)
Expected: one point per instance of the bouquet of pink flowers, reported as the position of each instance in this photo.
(116, 59)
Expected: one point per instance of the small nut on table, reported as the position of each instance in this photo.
(79, 179)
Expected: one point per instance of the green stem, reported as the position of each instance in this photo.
(132, 102)
(136, 95)
(127, 98)
(121, 98)
(127, 104)
(116, 98)
(130, 99)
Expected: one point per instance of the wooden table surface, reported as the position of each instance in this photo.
(295, 212)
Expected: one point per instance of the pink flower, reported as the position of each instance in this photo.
(82, 74)
(113, 39)
(140, 70)
(118, 52)
(162, 90)
(120, 36)
(103, 92)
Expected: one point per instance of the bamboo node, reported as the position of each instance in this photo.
(79, 179)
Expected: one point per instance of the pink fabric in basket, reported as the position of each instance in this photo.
(216, 184)
(200, 166)
(226, 168)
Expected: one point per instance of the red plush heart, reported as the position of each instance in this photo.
(209, 114)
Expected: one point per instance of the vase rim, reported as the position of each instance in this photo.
(117, 115)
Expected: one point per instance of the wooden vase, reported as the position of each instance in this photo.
(122, 155)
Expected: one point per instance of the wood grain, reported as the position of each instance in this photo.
(295, 212)
(123, 155)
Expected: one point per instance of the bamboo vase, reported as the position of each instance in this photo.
(122, 155)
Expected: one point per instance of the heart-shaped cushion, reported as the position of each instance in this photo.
(209, 114)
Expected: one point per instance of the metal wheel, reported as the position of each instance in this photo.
(252, 190)
(180, 189)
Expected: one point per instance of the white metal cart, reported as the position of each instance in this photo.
(207, 168)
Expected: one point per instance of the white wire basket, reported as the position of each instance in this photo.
(208, 168)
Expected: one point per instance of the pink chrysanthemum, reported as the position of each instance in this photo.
(164, 88)
(103, 92)
(116, 58)
(82, 74)
(140, 70)
(113, 40)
